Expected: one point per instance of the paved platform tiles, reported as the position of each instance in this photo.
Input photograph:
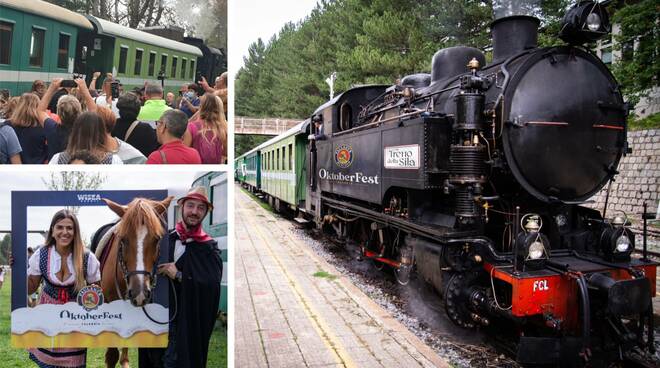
(287, 317)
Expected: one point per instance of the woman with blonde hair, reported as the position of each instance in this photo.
(32, 126)
(208, 133)
(62, 267)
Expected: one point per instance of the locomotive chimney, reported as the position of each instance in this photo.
(512, 35)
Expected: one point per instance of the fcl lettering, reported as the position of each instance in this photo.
(541, 285)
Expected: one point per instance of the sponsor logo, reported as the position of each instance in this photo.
(402, 157)
(541, 285)
(357, 177)
(89, 198)
(343, 155)
(90, 297)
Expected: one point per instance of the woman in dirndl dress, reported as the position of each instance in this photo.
(63, 267)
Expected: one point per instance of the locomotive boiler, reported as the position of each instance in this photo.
(476, 177)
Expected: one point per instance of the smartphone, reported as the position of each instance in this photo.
(68, 83)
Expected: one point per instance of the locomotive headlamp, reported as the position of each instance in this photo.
(586, 21)
(536, 250)
(617, 244)
(593, 22)
(622, 244)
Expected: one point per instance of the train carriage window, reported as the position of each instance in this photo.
(218, 195)
(173, 72)
(6, 32)
(163, 63)
(284, 158)
(277, 158)
(152, 63)
(290, 156)
(192, 68)
(123, 56)
(137, 70)
(37, 47)
(184, 61)
(63, 51)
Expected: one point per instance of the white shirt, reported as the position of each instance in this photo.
(116, 160)
(179, 249)
(102, 102)
(93, 267)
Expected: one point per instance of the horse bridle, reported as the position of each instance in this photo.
(152, 277)
(128, 274)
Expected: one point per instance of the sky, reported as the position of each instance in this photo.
(90, 218)
(253, 19)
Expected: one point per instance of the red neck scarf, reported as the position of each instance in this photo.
(196, 234)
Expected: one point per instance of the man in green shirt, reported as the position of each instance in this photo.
(154, 106)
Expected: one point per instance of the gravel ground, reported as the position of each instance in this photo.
(420, 309)
(415, 305)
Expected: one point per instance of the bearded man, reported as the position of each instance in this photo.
(196, 269)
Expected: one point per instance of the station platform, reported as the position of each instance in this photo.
(293, 309)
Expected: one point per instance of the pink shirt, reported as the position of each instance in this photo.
(210, 150)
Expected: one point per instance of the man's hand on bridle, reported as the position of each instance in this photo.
(168, 269)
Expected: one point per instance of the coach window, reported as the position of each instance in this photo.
(152, 63)
(138, 62)
(184, 61)
(218, 195)
(284, 158)
(37, 47)
(277, 158)
(192, 69)
(163, 63)
(63, 51)
(173, 72)
(6, 32)
(290, 156)
(123, 55)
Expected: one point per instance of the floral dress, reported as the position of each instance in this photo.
(46, 262)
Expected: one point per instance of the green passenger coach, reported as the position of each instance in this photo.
(283, 167)
(135, 56)
(37, 41)
(215, 223)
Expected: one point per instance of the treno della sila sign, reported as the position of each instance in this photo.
(88, 320)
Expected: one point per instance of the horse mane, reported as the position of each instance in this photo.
(140, 212)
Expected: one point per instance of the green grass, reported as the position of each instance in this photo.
(263, 204)
(650, 122)
(325, 275)
(18, 358)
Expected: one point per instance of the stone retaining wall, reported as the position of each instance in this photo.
(639, 177)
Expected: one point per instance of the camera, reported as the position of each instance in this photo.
(114, 88)
(161, 75)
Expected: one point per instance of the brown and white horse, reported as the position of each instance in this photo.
(131, 257)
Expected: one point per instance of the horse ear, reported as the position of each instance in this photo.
(164, 205)
(115, 207)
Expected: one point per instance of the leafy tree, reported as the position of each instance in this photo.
(639, 42)
(74, 180)
(246, 142)
(5, 248)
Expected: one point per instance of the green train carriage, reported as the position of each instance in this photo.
(215, 223)
(135, 56)
(37, 41)
(283, 168)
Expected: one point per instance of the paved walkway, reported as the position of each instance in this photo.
(293, 309)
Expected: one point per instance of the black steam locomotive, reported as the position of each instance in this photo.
(475, 175)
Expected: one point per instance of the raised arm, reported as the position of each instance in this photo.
(95, 76)
(87, 97)
(50, 92)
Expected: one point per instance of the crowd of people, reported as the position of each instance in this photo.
(59, 124)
